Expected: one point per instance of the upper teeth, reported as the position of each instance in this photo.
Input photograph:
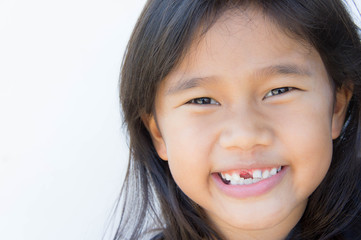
(258, 175)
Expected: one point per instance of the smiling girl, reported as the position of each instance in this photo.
(244, 121)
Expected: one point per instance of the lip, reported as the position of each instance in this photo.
(247, 167)
(251, 190)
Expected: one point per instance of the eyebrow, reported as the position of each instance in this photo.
(287, 69)
(184, 84)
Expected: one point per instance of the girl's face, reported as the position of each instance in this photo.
(256, 106)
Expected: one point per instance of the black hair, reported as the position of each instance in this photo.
(151, 199)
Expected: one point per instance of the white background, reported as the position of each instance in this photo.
(62, 152)
(62, 149)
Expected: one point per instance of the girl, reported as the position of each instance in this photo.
(244, 121)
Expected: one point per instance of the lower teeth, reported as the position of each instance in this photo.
(242, 181)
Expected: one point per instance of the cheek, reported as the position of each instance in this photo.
(308, 145)
(189, 150)
(189, 139)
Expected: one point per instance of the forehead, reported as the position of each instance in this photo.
(235, 38)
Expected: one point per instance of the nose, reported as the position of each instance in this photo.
(245, 129)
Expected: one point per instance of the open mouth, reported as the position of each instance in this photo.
(248, 176)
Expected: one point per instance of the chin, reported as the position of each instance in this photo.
(256, 224)
(256, 220)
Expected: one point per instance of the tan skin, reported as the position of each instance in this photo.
(246, 94)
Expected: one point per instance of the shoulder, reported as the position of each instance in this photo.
(353, 232)
(159, 236)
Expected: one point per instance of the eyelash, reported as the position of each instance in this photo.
(208, 100)
(278, 91)
(203, 101)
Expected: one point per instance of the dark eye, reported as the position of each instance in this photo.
(203, 100)
(278, 91)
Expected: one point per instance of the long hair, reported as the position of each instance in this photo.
(151, 201)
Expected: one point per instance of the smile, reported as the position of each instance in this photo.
(246, 177)
(244, 183)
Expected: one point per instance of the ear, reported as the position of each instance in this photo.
(342, 99)
(157, 138)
